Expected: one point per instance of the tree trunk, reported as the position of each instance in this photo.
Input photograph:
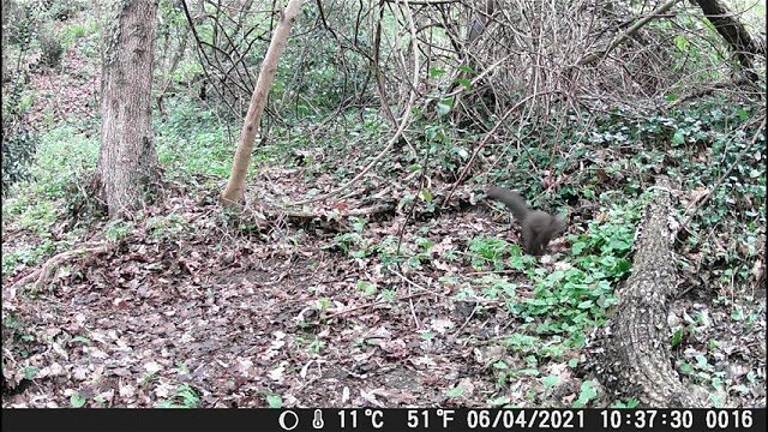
(127, 161)
(6, 10)
(734, 33)
(233, 193)
(632, 352)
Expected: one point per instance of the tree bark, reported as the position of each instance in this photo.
(233, 193)
(633, 354)
(479, 21)
(734, 33)
(4, 13)
(127, 160)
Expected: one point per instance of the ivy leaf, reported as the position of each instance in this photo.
(677, 338)
(679, 137)
(436, 72)
(77, 400)
(550, 381)
(444, 106)
(588, 392)
(274, 401)
(681, 42)
(455, 392)
(464, 82)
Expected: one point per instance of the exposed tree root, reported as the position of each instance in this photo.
(43, 275)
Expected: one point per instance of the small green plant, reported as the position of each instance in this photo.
(72, 33)
(367, 288)
(626, 403)
(118, 230)
(51, 48)
(323, 304)
(316, 346)
(167, 227)
(274, 401)
(587, 393)
(77, 400)
(455, 392)
(389, 294)
(26, 256)
(352, 244)
(185, 397)
(488, 251)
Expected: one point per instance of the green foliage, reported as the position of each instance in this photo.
(15, 334)
(26, 255)
(117, 230)
(572, 300)
(167, 227)
(274, 401)
(18, 151)
(51, 48)
(186, 397)
(587, 393)
(455, 392)
(696, 146)
(352, 244)
(54, 184)
(77, 400)
(75, 32)
(568, 301)
(367, 288)
(19, 144)
(192, 141)
(626, 404)
(56, 176)
(488, 251)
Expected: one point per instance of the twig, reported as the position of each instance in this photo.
(466, 321)
(485, 141)
(374, 304)
(592, 57)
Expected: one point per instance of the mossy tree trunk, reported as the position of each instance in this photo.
(127, 160)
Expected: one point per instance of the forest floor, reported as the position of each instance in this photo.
(179, 309)
(190, 305)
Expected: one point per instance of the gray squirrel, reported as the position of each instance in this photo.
(538, 227)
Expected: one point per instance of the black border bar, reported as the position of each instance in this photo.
(389, 420)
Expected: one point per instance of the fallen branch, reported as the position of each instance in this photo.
(631, 355)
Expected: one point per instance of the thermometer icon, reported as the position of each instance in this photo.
(317, 420)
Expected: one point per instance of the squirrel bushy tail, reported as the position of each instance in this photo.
(511, 199)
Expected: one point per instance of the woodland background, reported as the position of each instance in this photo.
(362, 265)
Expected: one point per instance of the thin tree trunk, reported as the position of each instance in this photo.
(233, 193)
(4, 13)
(127, 159)
(734, 33)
